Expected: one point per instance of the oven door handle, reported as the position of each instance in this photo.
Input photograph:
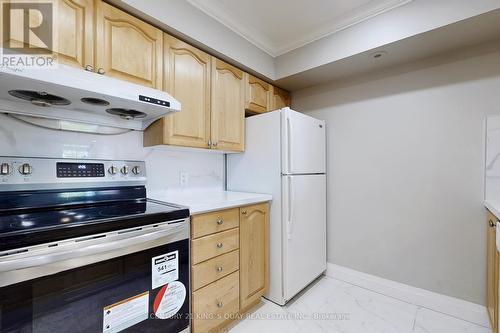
(55, 255)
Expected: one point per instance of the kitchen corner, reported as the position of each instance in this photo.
(208, 167)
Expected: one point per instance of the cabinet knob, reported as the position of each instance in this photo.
(89, 68)
(220, 304)
(219, 245)
(219, 269)
(220, 221)
(244, 212)
(492, 224)
(101, 71)
(215, 144)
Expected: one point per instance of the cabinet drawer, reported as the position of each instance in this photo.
(214, 245)
(214, 269)
(210, 223)
(213, 304)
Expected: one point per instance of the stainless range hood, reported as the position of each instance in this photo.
(75, 95)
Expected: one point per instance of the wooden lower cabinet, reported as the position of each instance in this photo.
(229, 257)
(254, 246)
(492, 276)
(216, 303)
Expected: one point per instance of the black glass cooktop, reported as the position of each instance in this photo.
(71, 217)
(28, 220)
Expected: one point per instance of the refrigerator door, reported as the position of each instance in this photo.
(304, 238)
(304, 143)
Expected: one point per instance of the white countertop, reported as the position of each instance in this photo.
(493, 206)
(207, 200)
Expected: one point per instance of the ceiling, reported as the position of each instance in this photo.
(279, 26)
(479, 33)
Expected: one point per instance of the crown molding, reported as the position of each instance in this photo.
(260, 40)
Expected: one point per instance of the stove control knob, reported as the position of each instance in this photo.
(113, 170)
(124, 170)
(25, 169)
(4, 169)
(136, 170)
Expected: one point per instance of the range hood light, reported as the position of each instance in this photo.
(72, 126)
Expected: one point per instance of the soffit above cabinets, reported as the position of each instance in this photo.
(280, 26)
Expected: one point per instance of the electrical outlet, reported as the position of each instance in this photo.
(184, 179)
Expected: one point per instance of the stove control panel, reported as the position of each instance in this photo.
(17, 173)
(80, 170)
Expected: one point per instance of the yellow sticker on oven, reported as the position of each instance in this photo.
(169, 300)
(126, 313)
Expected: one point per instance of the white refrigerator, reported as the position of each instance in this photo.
(285, 155)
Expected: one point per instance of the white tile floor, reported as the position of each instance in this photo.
(349, 309)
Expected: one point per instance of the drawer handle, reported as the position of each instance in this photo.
(220, 221)
(220, 304)
(219, 269)
(219, 245)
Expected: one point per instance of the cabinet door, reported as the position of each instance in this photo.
(492, 273)
(128, 48)
(280, 99)
(228, 107)
(75, 30)
(186, 78)
(254, 249)
(258, 95)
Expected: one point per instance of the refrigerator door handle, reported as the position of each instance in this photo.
(290, 209)
(289, 143)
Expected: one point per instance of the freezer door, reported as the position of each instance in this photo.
(304, 237)
(304, 143)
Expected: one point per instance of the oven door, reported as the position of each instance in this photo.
(129, 281)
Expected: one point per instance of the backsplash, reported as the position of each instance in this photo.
(164, 164)
(492, 165)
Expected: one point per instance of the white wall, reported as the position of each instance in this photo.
(406, 169)
(163, 164)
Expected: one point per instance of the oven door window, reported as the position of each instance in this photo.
(77, 300)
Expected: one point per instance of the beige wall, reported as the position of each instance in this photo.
(405, 163)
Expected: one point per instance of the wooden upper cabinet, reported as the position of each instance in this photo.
(186, 78)
(75, 30)
(228, 106)
(254, 249)
(258, 95)
(280, 99)
(128, 48)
